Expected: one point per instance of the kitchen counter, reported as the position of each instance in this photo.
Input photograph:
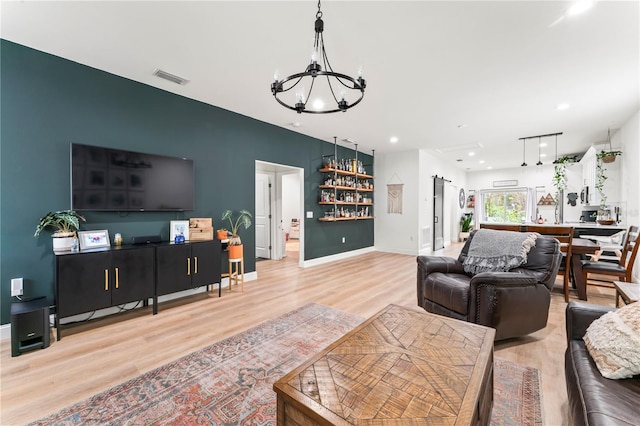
(580, 228)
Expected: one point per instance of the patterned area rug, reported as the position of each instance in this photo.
(230, 382)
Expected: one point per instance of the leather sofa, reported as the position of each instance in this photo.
(593, 399)
(515, 303)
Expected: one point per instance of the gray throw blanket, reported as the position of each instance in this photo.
(495, 251)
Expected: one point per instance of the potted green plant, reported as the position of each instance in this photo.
(222, 234)
(465, 226)
(559, 180)
(601, 175)
(65, 223)
(608, 156)
(235, 243)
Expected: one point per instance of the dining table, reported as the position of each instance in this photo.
(579, 248)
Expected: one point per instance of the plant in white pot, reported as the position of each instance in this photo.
(235, 243)
(465, 226)
(65, 223)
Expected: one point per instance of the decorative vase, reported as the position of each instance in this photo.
(235, 252)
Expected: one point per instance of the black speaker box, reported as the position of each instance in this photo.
(146, 239)
(29, 325)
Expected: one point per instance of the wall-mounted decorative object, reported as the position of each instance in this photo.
(94, 239)
(461, 198)
(547, 200)
(394, 195)
(503, 183)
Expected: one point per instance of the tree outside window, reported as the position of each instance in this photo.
(504, 206)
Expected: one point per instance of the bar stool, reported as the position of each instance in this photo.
(236, 272)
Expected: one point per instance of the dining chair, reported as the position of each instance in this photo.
(501, 227)
(621, 271)
(564, 234)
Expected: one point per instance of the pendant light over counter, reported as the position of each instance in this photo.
(539, 137)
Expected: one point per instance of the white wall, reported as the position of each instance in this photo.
(628, 137)
(411, 232)
(290, 199)
(397, 233)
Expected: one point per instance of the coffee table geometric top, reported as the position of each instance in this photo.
(400, 366)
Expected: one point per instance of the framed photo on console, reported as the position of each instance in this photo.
(179, 227)
(93, 239)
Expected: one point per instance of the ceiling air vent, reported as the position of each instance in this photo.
(171, 77)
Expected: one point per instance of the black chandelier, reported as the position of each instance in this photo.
(319, 61)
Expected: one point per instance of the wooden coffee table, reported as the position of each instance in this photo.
(401, 366)
(629, 292)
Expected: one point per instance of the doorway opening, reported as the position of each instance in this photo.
(279, 209)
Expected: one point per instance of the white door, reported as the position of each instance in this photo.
(263, 215)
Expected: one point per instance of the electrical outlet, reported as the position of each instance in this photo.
(16, 286)
(343, 240)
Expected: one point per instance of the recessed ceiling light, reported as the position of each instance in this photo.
(318, 104)
(580, 6)
(562, 106)
(462, 125)
(459, 160)
(489, 168)
(481, 161)
(543, 144)
(394, 139)
(471, 154)
(295, 124)
(543, 155)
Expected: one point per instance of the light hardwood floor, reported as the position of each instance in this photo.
(94, 357)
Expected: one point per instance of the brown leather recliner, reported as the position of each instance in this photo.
(515, 303)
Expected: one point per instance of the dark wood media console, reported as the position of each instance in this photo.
(102, 278)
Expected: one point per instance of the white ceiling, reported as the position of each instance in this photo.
(440, 74)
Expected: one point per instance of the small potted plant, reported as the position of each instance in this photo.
(65, 223)
(235, 243)
(608, 156)
(465, 226)
(222, 234)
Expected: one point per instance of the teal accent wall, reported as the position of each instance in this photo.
(47, 102)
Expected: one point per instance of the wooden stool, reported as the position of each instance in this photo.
(236, 272)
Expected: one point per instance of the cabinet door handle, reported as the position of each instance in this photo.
(106, 280)
(117, 278)
(195, 259)
(188, 266)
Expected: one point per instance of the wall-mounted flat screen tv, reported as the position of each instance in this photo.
(107, 179)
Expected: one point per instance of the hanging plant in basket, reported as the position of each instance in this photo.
(608, 156)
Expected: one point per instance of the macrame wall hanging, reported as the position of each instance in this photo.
(394, 195)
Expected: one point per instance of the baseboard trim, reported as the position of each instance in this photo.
(5, 329)
(335, 257)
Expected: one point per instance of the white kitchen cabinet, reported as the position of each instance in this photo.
(588, 163)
